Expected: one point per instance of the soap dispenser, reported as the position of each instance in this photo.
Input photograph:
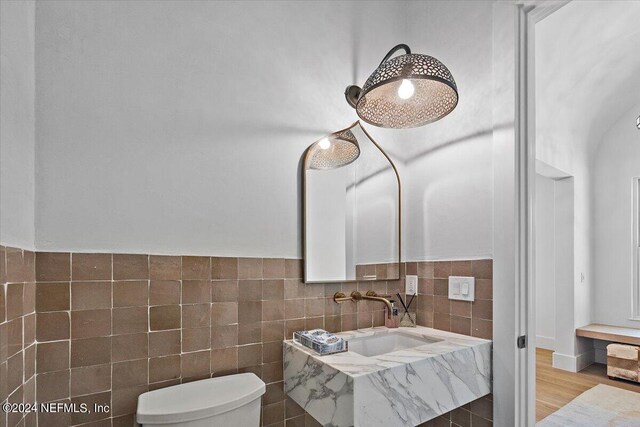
(393, 320)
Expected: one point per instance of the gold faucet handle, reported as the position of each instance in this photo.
(341, 297)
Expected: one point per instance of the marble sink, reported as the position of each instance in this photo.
(389, 377)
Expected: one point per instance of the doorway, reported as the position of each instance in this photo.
(579, 222)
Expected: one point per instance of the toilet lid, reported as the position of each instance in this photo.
(198, 399)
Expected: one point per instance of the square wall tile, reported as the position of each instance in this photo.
(249, 290)
(224, 268)
(482, 269)
(130, 267)
(250, 268)
(90, 379)
(273, 289)
(90, 323)
(224, 360)
(53, 326)
(52, 386)
(249, 355)
(196, 315)
(91, 266)
(53, 267)
(52, 356)
(15, 302)
(195, 364)
(129, 373)
(165, 267)
(164, 343)
(196, 291)
(273, 268)
(224, 291)
(131, 293)
(90, 295)
(130, 320)
(224, 336)
(293, 268)
(129, 347)
(164, 368)
(90, 351)
(196, 339)
(164, 292)
(249, 312)
(224, 313)
(164, 317)
(196, 267)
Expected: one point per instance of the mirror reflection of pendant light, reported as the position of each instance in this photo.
(333, 151)
(406, 91)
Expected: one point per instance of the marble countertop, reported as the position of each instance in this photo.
(354, 364)
(401, 388)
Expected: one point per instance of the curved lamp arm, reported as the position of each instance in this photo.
(352, 93)
(393, 50)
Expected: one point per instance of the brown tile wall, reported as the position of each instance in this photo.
(17, 333)
(113, 326)
(110, 327)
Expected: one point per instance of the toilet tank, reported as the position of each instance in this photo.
(233, 400)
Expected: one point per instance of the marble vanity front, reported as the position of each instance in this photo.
(402, 381)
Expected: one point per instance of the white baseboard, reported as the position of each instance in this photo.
(548, 343)
(573, 363)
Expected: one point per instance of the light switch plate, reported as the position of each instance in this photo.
(462, 288)
(411, 285)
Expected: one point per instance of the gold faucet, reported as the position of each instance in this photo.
(372, 296)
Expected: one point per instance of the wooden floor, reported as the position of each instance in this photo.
(555, 387)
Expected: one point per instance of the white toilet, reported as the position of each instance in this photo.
(228, 401)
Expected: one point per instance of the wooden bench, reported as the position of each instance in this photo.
(623, 359)
(610, 333)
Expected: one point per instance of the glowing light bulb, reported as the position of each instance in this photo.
(406, 89)
(324, 143)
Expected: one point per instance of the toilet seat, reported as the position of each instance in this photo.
(199, 399)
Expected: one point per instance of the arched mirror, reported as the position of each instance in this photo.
(351, 209)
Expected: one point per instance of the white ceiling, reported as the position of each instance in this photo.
(587, 69)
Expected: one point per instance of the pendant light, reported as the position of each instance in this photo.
(333, 151)
(406, 91)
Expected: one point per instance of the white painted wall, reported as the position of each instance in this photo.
(570, 352)
(449, 170)
(168, 127)
(172, 127)
(545, 267)
(17, 146)
(616, 163)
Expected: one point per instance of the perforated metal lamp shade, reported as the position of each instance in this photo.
(435, 93)
(340, 149)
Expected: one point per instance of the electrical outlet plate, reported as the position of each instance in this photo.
(411, 285)
(462, 288)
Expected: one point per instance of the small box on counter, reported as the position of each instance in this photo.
(321, 341)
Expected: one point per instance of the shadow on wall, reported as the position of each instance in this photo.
(465, 138)
(453, 210)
